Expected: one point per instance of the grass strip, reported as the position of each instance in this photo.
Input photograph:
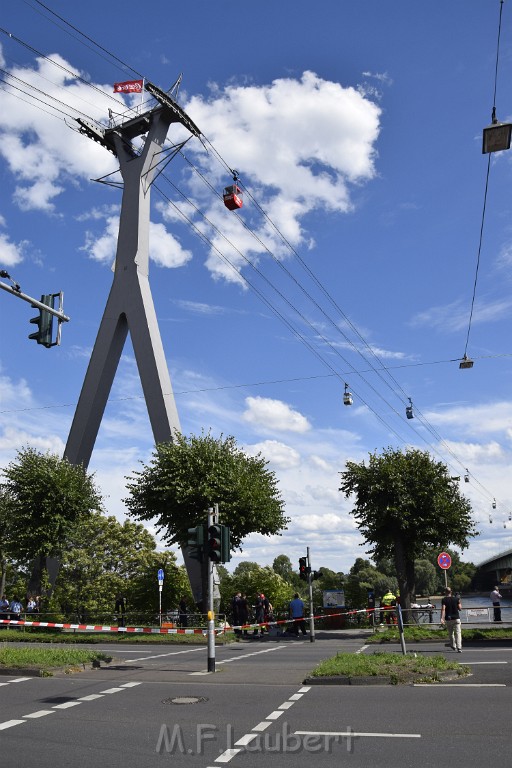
(421, 633)
(48, 658)
(34, 635)
(397, 667)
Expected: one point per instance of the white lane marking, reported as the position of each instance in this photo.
(262, 726)
(129, 685)
(19, 679)
(246, 739)
(4, 684)
(362, 649)
(356, 733)
(40, 713)
(112, 690)
(66, 705)
(91, 697)
(227, 755)
(296, 697)
(304, 689)
(461, 685)
(236, 658)
(274, 715)
(10, 724)
(286, 705)
(162, 655)
(485, 662)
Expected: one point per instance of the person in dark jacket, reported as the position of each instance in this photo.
(450, 615)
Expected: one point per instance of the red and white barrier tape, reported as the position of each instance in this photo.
(167, 631)
(102, 628)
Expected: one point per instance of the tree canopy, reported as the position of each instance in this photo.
(187, 476)
(43, 496)
(104, 557)
(405, 505)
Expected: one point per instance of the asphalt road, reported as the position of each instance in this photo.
(157, 706)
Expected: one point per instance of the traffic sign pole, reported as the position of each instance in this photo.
(213, 518)
(160, 577)
(444, 561)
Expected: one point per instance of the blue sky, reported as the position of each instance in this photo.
(357, 131)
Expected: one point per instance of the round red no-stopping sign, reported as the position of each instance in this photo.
(444, 560)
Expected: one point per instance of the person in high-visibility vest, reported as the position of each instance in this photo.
(389, 601)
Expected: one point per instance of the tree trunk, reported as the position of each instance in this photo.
(3, 578)
(406, 580)
(38, 578)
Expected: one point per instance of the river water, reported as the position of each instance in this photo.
(475, 609)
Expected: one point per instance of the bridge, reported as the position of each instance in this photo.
(495, 570)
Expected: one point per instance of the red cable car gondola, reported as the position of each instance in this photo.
(232, 195)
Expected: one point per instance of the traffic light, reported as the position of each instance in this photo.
(44, 322)
(215, 543)
(316, 575)
(195, 542)
(226, 543)
(303, 568)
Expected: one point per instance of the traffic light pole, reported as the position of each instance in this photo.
(311, 610)
(212, 520)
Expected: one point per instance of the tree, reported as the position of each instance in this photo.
(250, 578)
(104, 557)
(405, 504)
(189, 475)
(459, 575)
(44, 496)
(283, 566)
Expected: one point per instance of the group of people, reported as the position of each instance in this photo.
(12, 609)
(261, 610)
(263, 614)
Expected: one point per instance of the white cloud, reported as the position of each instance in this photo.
(455, 316)
(42, 152)
(10, 253)
(164, 249)
(278, 454)
(268, 414)
(298, 144)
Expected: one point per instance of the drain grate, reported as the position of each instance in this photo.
(185, 700)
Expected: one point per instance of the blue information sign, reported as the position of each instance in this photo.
(160, 574)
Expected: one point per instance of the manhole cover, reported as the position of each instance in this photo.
(185, 700)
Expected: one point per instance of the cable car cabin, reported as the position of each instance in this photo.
(233, 197)
(347, 398)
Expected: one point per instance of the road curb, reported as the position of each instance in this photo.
(343, 680)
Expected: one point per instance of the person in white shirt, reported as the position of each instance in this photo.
(495, 600)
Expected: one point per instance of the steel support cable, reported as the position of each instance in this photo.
(270, 306)
(73, 110)
(419, 435)
(60, 87)
(310, 272)
(283, 297)
(70, 72)
(302, 288)
(423, 419)
(495, 90)
(304, 291)
(90, 39)
(50, 106)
